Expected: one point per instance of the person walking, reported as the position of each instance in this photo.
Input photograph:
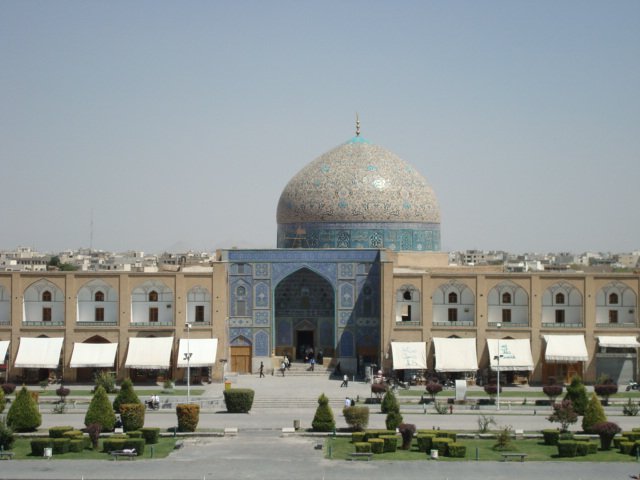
(283, 367)
(313, 363)
(345, 381)
(261, 370)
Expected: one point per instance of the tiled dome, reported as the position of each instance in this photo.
(358, 182)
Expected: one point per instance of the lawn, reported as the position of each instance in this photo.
(143, 392)
(22, 451)
(339, 448)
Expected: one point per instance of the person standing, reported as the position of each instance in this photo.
(283, 367)
(345, 381)
(313, 363)
(261, 370)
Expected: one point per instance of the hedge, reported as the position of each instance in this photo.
(58, 432)
(567, 448)
(188, 416)
(377, 433)
(39, 444)
(238, 400)
(60, 445)
(627, 447)
(358, 437)
(551, 437)
(390, 442)
(362, 447)
(76, 445)
(457, 450)
(442, 444)
(377, 445)
(151, 435)
(425, 441)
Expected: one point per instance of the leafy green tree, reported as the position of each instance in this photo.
(393, 420)
(564, 414)
(6, 435)
(125, 395)
(577, 393)
(23, 416)
(594, 413)
(323, 420)
(2, 401)
(100, 411)
(105, 380)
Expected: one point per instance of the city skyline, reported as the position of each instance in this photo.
(162, 127)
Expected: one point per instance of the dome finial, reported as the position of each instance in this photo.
(357, 125)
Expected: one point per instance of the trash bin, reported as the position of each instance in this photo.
(48, 452)
(227, 385)
(434, 453)
(296, 424)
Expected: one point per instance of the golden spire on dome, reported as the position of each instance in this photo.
(357, 125)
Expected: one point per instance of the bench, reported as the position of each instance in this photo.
(128, 453)
(506, 456)
(365, 455)
(6, 455)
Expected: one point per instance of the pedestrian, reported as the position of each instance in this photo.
(261, 370)
(347, 402)
(283, 367)
(287, 362)
(345, 381)
(313, 363)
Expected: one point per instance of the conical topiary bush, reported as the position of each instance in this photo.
(125, 395)
(100, 411)
(23, 416)
(323, 420)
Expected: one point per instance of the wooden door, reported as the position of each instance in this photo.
(241, 359)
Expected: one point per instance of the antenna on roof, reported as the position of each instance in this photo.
(357, 125)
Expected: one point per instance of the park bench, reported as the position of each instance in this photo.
(365, 455)
(508, 455)
(6, 455)
(128, 453)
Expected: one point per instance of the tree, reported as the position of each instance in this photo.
(389, 403)
(433, 389)
(323, 420)
(552, 391)
(606, 431)
(407, 430)
(2, 401)
(23, 416)
(594, 413)
(100, 411)
(577, 393)
(564, 414)
(605, 390)
(491, 390)
(125, 395)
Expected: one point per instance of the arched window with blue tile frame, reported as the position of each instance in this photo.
(261, 344)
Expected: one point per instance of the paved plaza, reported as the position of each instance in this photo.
(261, 450)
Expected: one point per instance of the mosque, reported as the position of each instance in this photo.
(357, 281)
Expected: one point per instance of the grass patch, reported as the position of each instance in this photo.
(22, 451)
(535, 449)
(143, 392)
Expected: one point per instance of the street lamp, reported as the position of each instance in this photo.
(498, 368)
(187, 357)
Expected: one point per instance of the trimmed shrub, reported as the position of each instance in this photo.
(188, 417)
(71, 434)
(577, 393)
(63, 393)
(567, 448)
(442, 444)
(3, 402)
(457, 450)
(23, 415)
(407, 430)
(393, 420)
(125, 396)
(627, 447)
(8, 388)
(76, 445)
(105, 380)
(39, 444)
(606, 431)
(632, 435)
(592, 447)
(132, 415)
(60, 445)
(377, 433)
(389, 403)
(113, 443)
(593, 413)
(323, 420)
(564, 414)
(491, 390)
(377, 445)
(137, 443)
(425, 441)
(7, 437)
(100, 411)
(552, 391)
(356, 417)
(94, 434)
(135, 434)
(582, 448)
(433, 389)
(362, 447)
(617, 440)
(605, 391)
(357, 437)
(238, 400)
(58, 432)
(550, 436)
(151, 435)
(390, 442)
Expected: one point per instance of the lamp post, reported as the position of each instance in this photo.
(498, 368)
(187, 357)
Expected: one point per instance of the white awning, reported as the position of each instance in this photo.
(566, 348)
(456, 354)
(149, 352)
(93, 355)
(203, 352)
(4, 346)
(409, 355)
(614, 341)
(515, 354)
(39, 352)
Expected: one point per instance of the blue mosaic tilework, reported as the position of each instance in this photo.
(347, 270)
(346, 297)
(262, 317)
(301, 256)
(262, 295)
(284, 332)
(261, 270)
(240, 336)
(261, 342)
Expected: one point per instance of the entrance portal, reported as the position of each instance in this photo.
(304, 343)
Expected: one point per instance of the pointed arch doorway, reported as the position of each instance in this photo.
(304, 315)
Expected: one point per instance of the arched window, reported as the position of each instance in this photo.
(506, 298)
(153, 296)
(46, 296)
(453, 297)
(613, 299)
(241, 301)
(407, 295)
(98, 297)
(560, 298)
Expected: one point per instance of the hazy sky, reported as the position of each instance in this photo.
(178, 124)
